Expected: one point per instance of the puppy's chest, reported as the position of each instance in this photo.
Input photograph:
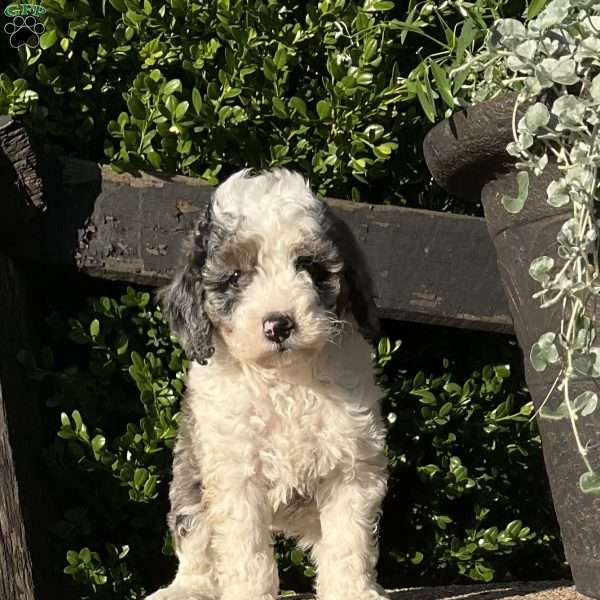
(298, 440)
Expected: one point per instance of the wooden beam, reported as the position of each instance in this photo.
(428, 267)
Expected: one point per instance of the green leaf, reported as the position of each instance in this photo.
(384, 347)
(299, 105)
(426, 397)
(233, 92)
(171, 87)
(85, 555)
(544, 351)
(181, 109)
(48, 39)
(323, 109)
(139, 477)
(382, 5)
(171, 104)
(425, 101)
(481, 573)
(443, 85)
(150, 486)
(468, 33)
(94, 328)
(309, 571)
(586, 403)
(540, 268)
(515, 204)
(280, 58)
(98, 442)
(565, 71)
(590, 483)
(269, 69)
(179, 6)
(514, 527)
(370, 49)
(384, 151)
(446, 409)
(535, 8)
(365, 79)
(197, 100)
(537, 116)
(136, 108)
(155, 161)
(279, 107)
(77, 420)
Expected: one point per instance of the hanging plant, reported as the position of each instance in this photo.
(553, 66)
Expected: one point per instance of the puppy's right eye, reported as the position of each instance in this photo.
(234, 278)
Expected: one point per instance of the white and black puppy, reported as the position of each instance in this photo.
(281, 428)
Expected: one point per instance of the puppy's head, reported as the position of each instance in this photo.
(271, 272)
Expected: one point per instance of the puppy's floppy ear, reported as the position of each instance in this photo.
(183, 299)
(357, 288)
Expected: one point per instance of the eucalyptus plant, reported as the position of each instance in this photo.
(553, 65)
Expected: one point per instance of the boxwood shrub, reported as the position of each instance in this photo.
(343, 90)
(462, 448)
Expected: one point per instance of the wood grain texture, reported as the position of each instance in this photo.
(25, 493)
(16, 570)
(22, 184)
(428, 267)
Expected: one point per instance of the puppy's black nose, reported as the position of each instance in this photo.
(277, 327)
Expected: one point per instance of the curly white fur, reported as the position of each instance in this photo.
(284, 436)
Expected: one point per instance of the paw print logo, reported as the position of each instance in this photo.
(24, 31)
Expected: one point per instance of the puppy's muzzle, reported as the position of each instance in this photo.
(278, 327)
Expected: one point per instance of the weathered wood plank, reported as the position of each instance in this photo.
(22, 187)
(24, 555)
(429, 267)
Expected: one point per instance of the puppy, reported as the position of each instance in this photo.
(281, 428)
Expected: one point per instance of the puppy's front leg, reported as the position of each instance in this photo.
(242, 542)
(347, 553)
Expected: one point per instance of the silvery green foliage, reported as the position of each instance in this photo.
(553, 62)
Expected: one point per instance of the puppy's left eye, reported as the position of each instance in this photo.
(317, 271)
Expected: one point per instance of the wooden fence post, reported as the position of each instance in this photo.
(24, 574)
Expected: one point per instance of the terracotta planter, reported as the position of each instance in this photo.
(466, 155)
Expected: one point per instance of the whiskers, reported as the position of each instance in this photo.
(336, 327)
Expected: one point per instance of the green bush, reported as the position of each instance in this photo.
(342, 90)
(463, 446)
(461, 451)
